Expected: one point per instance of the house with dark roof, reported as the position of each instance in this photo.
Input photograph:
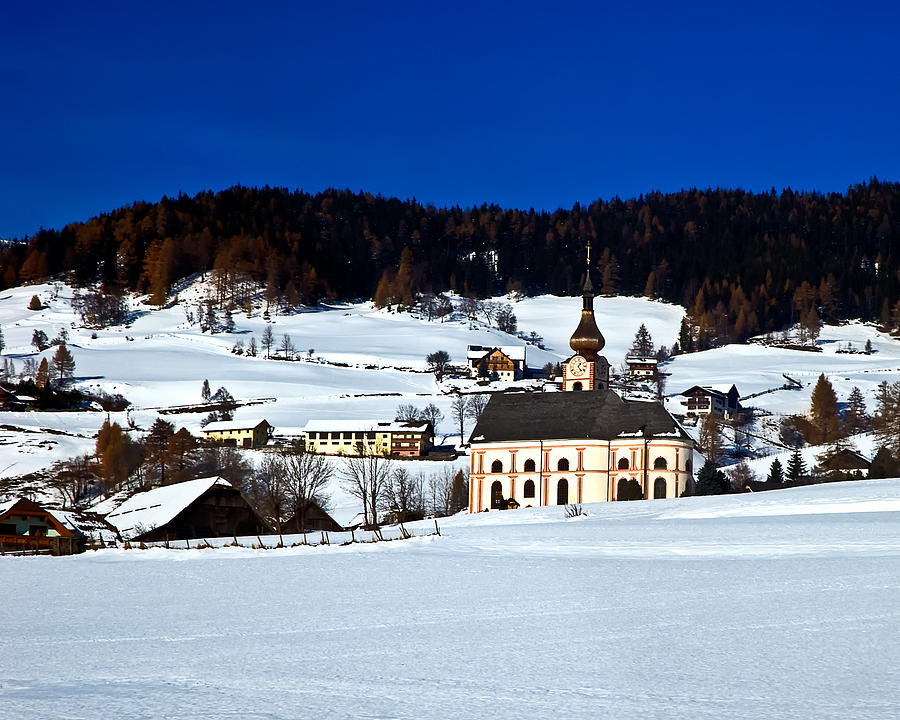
(721, 400)
(585, 444)
(496, 363)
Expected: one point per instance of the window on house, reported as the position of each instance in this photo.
(660, 464)
(528, 467)
(623, 464)
(563, 464)
(528, 489)
(496, 466)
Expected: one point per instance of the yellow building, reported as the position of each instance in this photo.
(583, 445)
(242, 433)
(354, 437)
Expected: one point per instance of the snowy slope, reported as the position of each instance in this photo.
(778, 605)
(160, 360)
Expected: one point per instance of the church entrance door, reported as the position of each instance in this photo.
(562, 492)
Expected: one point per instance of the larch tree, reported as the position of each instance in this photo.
(43, 374)
(823, 410)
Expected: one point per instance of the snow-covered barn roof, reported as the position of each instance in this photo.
(152, 508)
(364, 426)
(234, 425)
(513, 352)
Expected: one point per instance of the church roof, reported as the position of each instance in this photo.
(597, 414)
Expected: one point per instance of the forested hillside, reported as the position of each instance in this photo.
(742, 263)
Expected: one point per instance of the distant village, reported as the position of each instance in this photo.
(581, 434)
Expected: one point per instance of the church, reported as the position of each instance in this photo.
(583, 445)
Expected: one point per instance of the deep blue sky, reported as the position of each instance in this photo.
(523, 104)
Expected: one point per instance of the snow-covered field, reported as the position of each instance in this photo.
(775, 605)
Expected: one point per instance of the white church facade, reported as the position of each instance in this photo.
(583, 445)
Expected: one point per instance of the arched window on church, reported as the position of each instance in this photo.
(528, 489)
(659, 488)
(563, 464)
(562, 492)
(623, 464)
(660, 464)
(496, 466)
(576, 386)
(528, 467)
(496, 495)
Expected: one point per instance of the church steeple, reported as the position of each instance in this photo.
(587, 340)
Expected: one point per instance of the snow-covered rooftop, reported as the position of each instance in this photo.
(513, 352)
(152, 508)
(233, 425)
(362, 426)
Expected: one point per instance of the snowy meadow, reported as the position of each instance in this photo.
(777, 605)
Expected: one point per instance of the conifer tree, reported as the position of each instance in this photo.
(856, 419)
(205, 392)
(884, 465)
(711, 480)
(63, 362)
(43, 374)
(642, 345)
(823, 410)
(796, 468)
(776, 473)
(39, 340)
(2, 345)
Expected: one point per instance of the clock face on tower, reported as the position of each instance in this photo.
(578, 366)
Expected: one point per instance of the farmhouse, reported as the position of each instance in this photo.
(352, 437)
(496, 363)
(242, 433)
(721, 400)
(203, 508)
(642, 368)
(585, 444)
(26, 525)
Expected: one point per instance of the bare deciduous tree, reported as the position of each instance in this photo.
(440, 492)
(459, 412)
(408, 413)
(365, 476)
(404, 494)
(269, 489)
(432, 413)
(476, 406)
(306, 477)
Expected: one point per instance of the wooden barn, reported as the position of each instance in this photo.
(27, 526)
(312, 519)
(203, 508)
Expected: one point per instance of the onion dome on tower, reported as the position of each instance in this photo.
(587, 340)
